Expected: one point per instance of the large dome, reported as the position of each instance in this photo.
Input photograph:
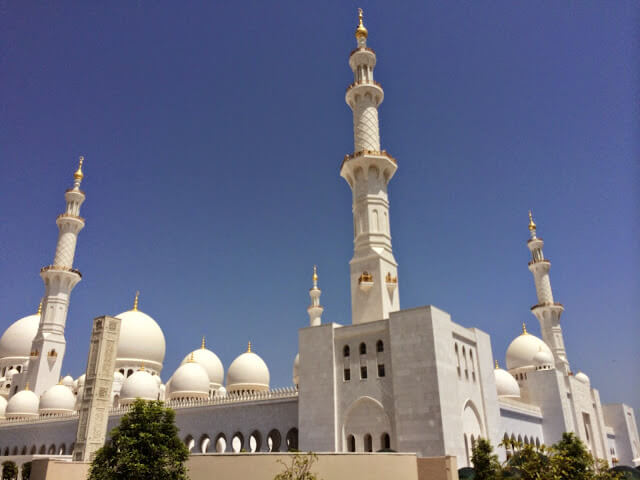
(140, 384)
(190, 380)
(23, 404)
(17, 339)
(141, 341)
(57, 400)
(210, 362)
(248, 372)
(3, 406)
(523, 349)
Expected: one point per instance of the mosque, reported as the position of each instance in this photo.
(407, 380)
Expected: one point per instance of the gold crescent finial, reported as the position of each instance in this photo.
(249, 347)
(60, 381)
(315, 275)
(79, 175)
(532, 224)
(202, 346)
(142, 366)
(26, 387)
(497, 366)
(40, 307)
(361, 31)
(135, 301)
(524, 329)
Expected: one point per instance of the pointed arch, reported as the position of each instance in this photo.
(365, 416)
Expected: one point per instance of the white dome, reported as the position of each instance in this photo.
(296, 369)
(68, 381)
(118, 377)
(3, 406)
(190, 380)
(58, 399)
(211, 364)
(522, 350)
(248, 372)
(506, 385)
(582, 377)
(157, 379)
(141, 340)
(17, 339)
(221, 392)
(543, 359)
(81, 380)
(23, 404)
(139, 384)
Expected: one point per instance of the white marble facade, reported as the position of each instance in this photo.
(408, 380)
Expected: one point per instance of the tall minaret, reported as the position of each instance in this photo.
(546, 311)
(59, 279)
(374, 277)
(315, 309)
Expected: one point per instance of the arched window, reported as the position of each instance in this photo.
(189, 443)
(351, 443)
(237, 442)
(363, 348)
(346, 351)
(466, 362)
(292, 439)
(221, 443)
(255, 441)
(274, 440)
(204, 443)
(368, 443)
(379, 346)
(385, 441)
(455, 348)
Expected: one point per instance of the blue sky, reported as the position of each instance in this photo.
(213, 134)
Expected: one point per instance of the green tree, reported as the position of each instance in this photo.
(570, 459)
(26, 471)
(145, 446)
(485, 463)
(299, 468)
(9, 470)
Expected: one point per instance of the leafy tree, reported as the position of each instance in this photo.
(485, 463)
(26, 471)
(145, 446)
(299, 468)
(9, 470)
(570, 460)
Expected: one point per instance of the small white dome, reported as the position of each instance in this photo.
(12, 372)
(543, 359)
(506, 385)
(221, 392)
(139, 384)
(211, 364)
(23, 404)
(57, 400)
(118, 377)
(3, 406)
(141, 340)
(522, 350)
(17, 339)
(190, 380)
(582, 377)
(81, 380)
(68, 381)
(296, 370)
(248, 372)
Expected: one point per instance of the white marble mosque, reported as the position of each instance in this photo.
(408, 380)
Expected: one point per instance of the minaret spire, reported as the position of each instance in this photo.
(546, 310)
(315, 309)
(59, 279)
(374, 271)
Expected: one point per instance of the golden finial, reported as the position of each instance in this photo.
(142, 366)
(191, 360)
(135, 302)
(524, 329)
(249, 347)
(60, 381)
(497, 366)
(40, 307)
(532, 224)
(315, 275)
(361, 31)
(202, 346)
(26, 387)
(79, 175)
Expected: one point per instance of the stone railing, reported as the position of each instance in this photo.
(40, 419)
(362, 49)
(60, 267)
(363, 82)
(69, 215)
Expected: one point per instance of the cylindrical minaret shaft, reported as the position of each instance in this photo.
(374, 292)
(59, 279)
(315, 309)
(546, 310)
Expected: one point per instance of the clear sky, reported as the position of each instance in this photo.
(213, 134)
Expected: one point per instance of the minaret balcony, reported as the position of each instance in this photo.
(362, 49)
(548, 305)
(60, 268)
(362, 88)
(544, 261)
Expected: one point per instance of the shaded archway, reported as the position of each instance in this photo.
(221, 443)
(205, 441)
(189, 443)
(274, 440)
(237, 442)
(255, 441)
(365, 416)
(292, 439)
